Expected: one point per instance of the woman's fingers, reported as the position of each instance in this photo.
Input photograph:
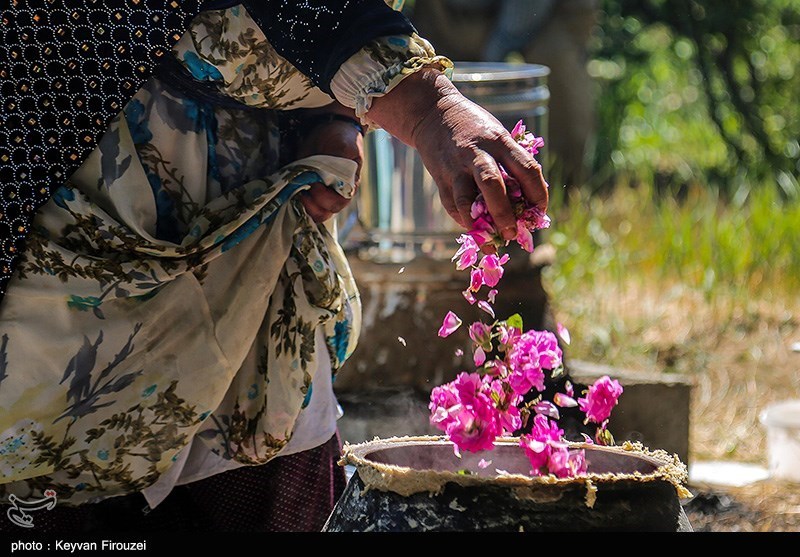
(487, 176)
(520, 164)
(321, 202)
(462, 196)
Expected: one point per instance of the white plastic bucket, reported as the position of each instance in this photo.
(782, 422)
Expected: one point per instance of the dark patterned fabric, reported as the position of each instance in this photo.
(67, 67)
(317, 36)
(294, 493)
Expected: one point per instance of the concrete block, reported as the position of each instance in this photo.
(653, 409)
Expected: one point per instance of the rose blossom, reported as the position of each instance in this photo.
(492, 267)
(473, 423)
(476, 408)
(600, 399)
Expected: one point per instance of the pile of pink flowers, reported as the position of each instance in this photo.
(476, 408)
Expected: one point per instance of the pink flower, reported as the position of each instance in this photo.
(525, 138)
(479, 356)
(484, 305)
(564, 401)
(443, 399)
(558, 459)
(478, 208)
(507, 336)
(533, 218)
(545, 439)
(480, 333)
(545, 430)
(492, 267)
(495, 368)
(577, 462)
(483, 231)
(474, 423)
(467, 254)
(565, 463)
(538, 452)
(476, 408)
(601, 398)
(524, 237)
(547, 408)
(528, 356)
(475, 279)
(518, 131)
(550, 354)
(469, 296)
(507, 403)
(450, 323)
(563, 332)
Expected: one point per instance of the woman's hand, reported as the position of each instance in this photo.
(338, 138)
(461, 145)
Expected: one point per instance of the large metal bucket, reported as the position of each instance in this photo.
(398, 205)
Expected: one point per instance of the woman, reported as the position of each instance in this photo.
(173, 327)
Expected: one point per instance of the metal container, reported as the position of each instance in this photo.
(398, 205)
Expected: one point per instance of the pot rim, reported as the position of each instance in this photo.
(405, 480)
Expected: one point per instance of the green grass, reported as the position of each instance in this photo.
(748, 245)
(629, 261)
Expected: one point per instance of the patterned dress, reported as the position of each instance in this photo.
(176, 312)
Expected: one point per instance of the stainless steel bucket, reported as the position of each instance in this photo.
(398, 207)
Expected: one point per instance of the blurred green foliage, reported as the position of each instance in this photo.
(703, 92)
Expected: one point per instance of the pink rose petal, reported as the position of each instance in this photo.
(563, 333)
(450, 323)
(486, 307)
(547, 408)
(564, 401)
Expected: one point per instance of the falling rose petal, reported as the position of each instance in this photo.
(459, 352)
(524, 237)
(401, 340)
(469, 296)
(564, 401)
(492, 295)
(548, 409)
(568, 389)
(479, 357)
(563, 332)
(450, 323)
(483, 463)
(476, 279)
(401, 270)
(486, 307)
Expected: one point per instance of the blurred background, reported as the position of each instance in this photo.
(672, 153)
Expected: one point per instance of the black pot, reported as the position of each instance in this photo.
(410, 484)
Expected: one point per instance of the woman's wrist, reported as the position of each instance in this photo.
(418, 99)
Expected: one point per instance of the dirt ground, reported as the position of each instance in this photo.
(766, 506)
